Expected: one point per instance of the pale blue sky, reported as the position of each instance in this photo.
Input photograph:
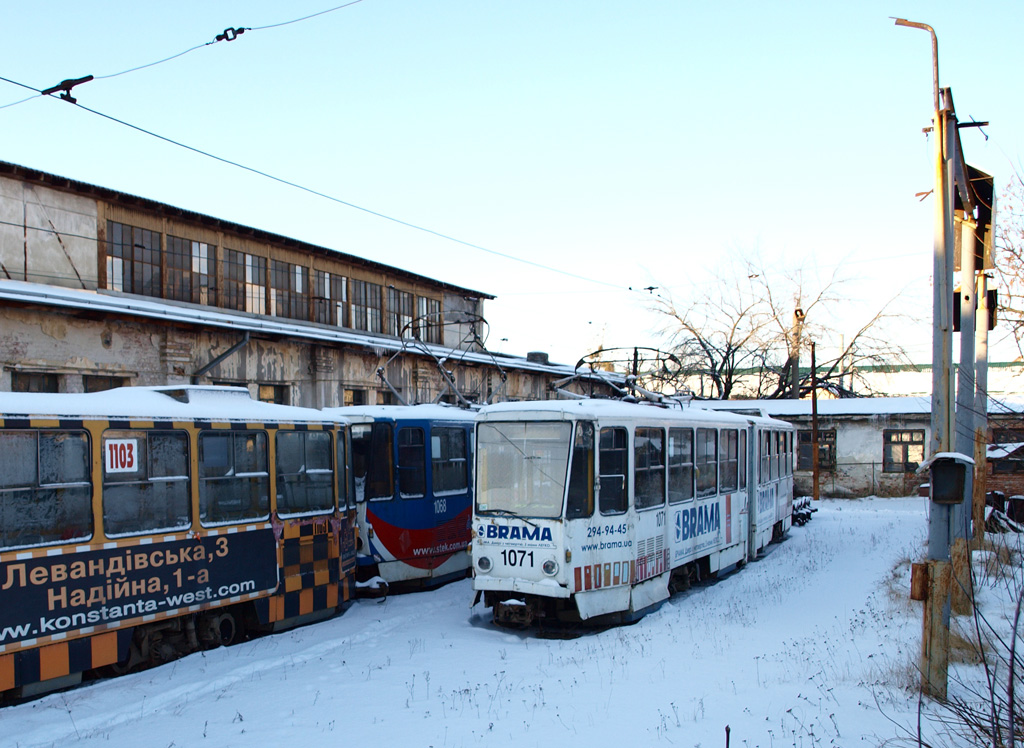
(634, 143)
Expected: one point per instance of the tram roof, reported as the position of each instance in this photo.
(618, 409)
(182, 403)
(425, 412)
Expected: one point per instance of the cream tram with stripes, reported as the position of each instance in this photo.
(140, 524)
(597, 510)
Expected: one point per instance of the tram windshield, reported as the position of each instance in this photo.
(521, 467)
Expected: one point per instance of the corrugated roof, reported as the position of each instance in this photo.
(106, 302)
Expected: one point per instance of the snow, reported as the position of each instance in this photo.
(852, 406)
(814, 644)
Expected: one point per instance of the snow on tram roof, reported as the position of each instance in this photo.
(600, 408)
(426, 411)
(185, 402)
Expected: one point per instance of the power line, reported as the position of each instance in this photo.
(229, 34)
(338, 200)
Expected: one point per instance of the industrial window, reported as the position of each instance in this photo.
(580, 502)
(100, 382)
(903, 450)
(272, 393)
(289, 296)
(189, 271)
(680, 465)
(133, 260)
(372, 461)
(354, 397)
(730, 462)
(449, 460)
(145, 482)
(649, 467)
(330, 298)
(826, 449)
(45, 491)
(429, 322)
(412, 463)
(234, 481)
(34, 381)
(364, 309)
(245, 282)
(706, 462)
(1012, 461)
(305, 475)
(400, 310)
(613, 459)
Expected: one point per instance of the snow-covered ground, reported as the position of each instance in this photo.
(815, 644)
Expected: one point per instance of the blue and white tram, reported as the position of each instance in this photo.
(596, 510)
(413, 483)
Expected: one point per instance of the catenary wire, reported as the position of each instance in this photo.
(310, 190)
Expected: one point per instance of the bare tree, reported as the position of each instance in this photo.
(745, 330)
(1009, 261)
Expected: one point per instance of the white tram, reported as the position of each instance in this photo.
(597, 510)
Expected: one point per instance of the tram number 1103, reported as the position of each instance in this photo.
(517, 558)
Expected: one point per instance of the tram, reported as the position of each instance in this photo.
(139, 524)
(412, 466)
(597, 510)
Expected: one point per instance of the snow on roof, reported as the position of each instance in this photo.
(432, 412)
(600, 408)
(853, 406)
(138, 306)
(1002, 451)
(192, 402)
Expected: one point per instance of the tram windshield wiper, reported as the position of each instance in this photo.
(507, 513)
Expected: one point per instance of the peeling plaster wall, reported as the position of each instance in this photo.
(315, 375)
(859, 446)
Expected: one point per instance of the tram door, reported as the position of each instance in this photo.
(651, 547)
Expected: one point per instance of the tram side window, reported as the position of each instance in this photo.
(305, 475)
(412, 463)
(707, 462)
(743, 459)
(680, 465)
(763, 446)
(234, 482)
(346, 493)
(581, 474)
(145, 482)
(372, 461)
(613, 460)
(649, 467)
(730, 459)
(45, 491)
(448, 460)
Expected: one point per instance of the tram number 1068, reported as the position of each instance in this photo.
(517, 558)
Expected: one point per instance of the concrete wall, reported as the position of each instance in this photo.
(859, 466)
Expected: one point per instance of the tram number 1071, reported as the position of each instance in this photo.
(517, 558)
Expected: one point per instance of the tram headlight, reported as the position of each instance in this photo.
(484, 564)
(550, 567)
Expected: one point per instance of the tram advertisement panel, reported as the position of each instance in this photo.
(48, 596)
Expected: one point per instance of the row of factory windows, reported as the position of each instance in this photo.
(902, 450)
(149, 263)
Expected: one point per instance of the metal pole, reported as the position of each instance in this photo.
(935, 634)
(965, 419)
(980, 408)
(814, 427)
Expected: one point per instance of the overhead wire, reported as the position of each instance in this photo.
(332, 198)
(227, 35)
